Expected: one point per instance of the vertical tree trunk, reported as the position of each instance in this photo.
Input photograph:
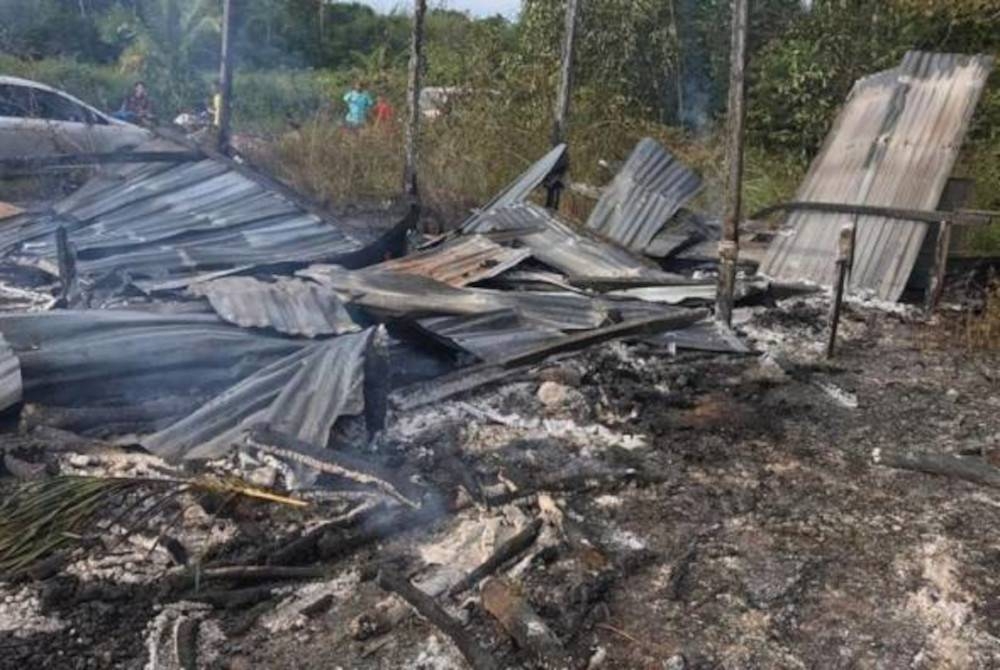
(729, 246)
(565, 92)
(226, 76)
(413, 99)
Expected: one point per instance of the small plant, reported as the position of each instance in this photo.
(43, 517)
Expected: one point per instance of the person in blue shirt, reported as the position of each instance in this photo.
(359, 102)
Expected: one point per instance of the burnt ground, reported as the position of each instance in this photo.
(752, 531)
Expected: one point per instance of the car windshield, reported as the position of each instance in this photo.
(32, 103)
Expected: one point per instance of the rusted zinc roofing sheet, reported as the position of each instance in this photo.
(289, 306)
(560, 245)
(301, 395)
(10, 376)
(894, 144)
(643, 196)
(162, 220)
(399, 295)
(459, 262)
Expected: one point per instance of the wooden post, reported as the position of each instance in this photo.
(845, 258)
(563, 95)
(226, 77)
(729, 246)
(936, 286)
(565, 91)
(413, 99)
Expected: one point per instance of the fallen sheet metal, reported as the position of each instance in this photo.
(706, 335)
(492, 337)
(646, 193)
(398, 295)
(458, 262)
(894, 144)
(519, 190)
(562, 246)
(301, 395)
(159, 221)
(118, 358)
(10, 376)
(685, 230)
(290, 306)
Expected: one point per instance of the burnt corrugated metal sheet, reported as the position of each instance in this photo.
(685, 230)
(392, 294)
(643, 196)
(301, 395)
(894, 144)
(119, 358)
(290, 306)
(163, 220)
(561, 245)
(491, 337)
(10, 376)
(707, 335)
(459, 262)
(519, 190)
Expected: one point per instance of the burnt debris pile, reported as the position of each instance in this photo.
(184, 319)
(238, 414)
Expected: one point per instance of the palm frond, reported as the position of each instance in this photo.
(42, 517)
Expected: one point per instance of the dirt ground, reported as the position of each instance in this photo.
(728, 515)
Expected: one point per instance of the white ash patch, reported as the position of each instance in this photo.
(844, 398)
(288, 614)
(162, 636)
(945, 608)
(14, 299)
(20, 614)
(608, 501)
(625, 539)
(437, 655)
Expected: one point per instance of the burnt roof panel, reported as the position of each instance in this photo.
(649, 189)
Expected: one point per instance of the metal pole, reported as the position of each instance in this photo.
(729, 246)
(564, 95)
(226, 77)
(413, 99)
(845, 258)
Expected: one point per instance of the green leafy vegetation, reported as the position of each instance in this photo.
(656, 67)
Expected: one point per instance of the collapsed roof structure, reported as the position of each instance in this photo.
(209, 301)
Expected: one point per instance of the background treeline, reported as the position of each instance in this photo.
(654, 67)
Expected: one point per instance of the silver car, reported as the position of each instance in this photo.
(37, 120)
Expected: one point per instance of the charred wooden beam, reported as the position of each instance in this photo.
(650, 326)
(729, 246)
(973, 470)
(940, 271)
(225, 110)
(471, 378)
(478, 658)
(415, 73)
(845, 256)
(505, 552)
(516, 616)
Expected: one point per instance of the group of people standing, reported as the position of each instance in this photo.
(361, 106)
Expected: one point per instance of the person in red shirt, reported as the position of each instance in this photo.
(384, 112)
